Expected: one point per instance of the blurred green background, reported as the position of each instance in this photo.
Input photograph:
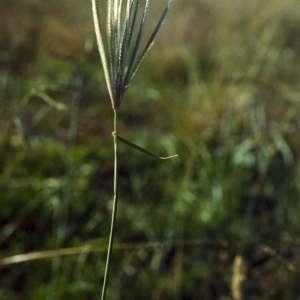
(220, 87)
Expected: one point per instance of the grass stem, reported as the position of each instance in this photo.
(114, 209)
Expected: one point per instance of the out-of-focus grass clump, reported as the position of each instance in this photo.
(221, 86)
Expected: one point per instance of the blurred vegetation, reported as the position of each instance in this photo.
(220, 88)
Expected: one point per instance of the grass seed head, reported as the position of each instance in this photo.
(125, 53)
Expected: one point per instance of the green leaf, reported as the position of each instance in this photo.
(134, 146)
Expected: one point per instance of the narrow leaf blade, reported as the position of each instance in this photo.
(134, 146)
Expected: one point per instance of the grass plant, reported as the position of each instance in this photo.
(124, 58)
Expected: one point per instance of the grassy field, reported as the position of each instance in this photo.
(220, 87)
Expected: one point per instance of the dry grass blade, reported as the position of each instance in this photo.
(42, 255)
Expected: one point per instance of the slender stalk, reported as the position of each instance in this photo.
(114, 209)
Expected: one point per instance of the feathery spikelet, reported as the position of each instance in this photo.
(124, 54)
